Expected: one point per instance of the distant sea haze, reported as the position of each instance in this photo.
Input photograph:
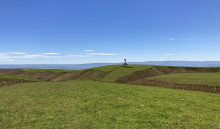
(92, 65)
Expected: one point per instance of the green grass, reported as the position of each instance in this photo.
(212, 79)
(47, 70)
(90, 104)
(118, 71)
(107, 68)
(14, 77)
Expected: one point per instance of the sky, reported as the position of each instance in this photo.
(107, 31)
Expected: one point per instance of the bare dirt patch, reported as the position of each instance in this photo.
(4, 83)
(192, 87)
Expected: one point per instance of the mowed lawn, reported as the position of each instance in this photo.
(212, 79)
(90, 104)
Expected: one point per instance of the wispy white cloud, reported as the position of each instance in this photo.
(6, 60)
(32, 56)
(4, 56)
(171, 39)
(9, 56)
(168, 54)
(103, 54)
(91, 55)
(69, 56)
(18, 53)
(51, 53)
(88, 50)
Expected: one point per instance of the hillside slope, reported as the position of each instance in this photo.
(130, 74)
(110, 73)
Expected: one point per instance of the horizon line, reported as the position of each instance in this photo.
(109, 62)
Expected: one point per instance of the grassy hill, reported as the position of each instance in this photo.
(92, 104)
(131, 74)
(212, 79)
(110, 73)
(29, 71)
(115, 72)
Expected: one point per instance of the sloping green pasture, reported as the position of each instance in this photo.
(212, 79)
(92, 104)
(47, 70)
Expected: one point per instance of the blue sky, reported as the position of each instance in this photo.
(89, 31)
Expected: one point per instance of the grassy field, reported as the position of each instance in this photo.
(14, 77)
(117, 71)
(48, 70)
(90, 104)
(212, 79)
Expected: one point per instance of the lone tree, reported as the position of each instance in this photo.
(125, 63)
